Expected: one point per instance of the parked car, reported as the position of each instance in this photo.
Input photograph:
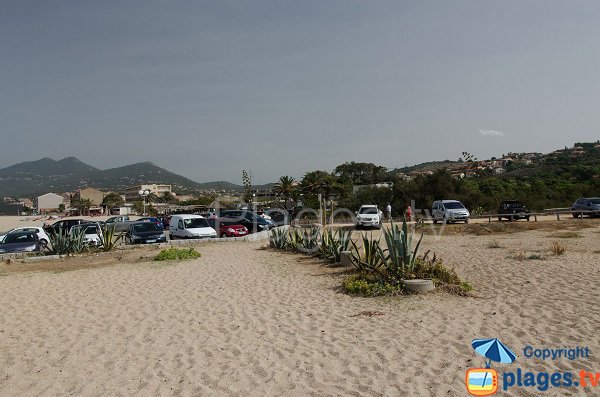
(154, 220)
(368, 216)
(228, 228)
(513, 210)
(144, 233)
(121, 223)
(93, 234)
(20, 242)
(586, 206)
(190, 226)
(249, 219)
(279, 216)
(65, 225)
(449, 211)
(39, 231)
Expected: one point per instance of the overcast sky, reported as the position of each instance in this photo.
(208, 88)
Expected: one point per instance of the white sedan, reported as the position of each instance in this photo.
(34, 229)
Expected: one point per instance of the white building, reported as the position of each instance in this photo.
(48, 202)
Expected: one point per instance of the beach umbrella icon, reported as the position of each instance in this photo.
(493, 350)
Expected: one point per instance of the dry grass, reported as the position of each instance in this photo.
(565, 235)
(493, 244)
(486, 229)
(143, 253)
(557, 248)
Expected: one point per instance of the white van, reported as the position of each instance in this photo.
(449, 211)
(190, 226)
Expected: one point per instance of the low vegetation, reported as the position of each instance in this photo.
(557, 248)
(172, 254)
(492, 244)
(64, 243)
(380, 267)
(565, 235)
(70, 243)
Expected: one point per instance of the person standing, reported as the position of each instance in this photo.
(409, 214)
(388, 209)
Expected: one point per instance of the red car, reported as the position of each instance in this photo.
(225, 228)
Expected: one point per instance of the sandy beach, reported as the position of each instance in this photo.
(247, 321)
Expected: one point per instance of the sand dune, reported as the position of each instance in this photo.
(243, 321)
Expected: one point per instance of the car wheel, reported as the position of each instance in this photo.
(171, 237)
(499, 219)
(224, 235)
(527, 218)
(434, 221)
(44, 243)
(575, 215)
(128, 240)
(466, 221)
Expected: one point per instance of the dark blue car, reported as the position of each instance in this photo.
(20, 242)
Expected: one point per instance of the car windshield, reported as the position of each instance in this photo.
(367, 210)
(454, 205)
(194, 223)
(18, 238)
(145, 227)
(595, 201)
(91, 230)
(513, 205)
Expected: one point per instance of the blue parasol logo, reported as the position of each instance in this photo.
(493, 350)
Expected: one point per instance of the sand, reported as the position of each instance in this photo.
(245, 321)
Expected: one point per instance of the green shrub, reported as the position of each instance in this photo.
(366, 285)
(171, 254)
(443, 277)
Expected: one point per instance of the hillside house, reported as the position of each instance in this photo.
(48, 202)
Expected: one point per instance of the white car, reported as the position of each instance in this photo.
(368, 216)
(92, 231)
(44, 239)
(190, 226)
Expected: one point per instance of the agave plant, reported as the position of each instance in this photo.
(400, 254)
(64, 243)
(333, 243)
(279, 237)
(108, 240)
(59, 243)
(78, 242)
(370, 257)
(295, 239)
(309, 242)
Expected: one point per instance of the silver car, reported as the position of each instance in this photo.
(449, 211)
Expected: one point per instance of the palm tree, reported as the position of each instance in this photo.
(83, 205)
(315, 182)
(167, 198)
(285, 186)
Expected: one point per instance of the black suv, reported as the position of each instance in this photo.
(65, 225)
(253, 222)
(513, 209)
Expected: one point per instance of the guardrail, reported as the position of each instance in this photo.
(551, 211)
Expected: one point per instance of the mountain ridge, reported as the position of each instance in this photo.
(30, 178)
